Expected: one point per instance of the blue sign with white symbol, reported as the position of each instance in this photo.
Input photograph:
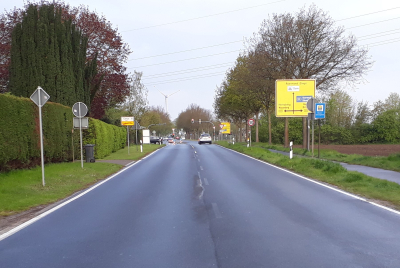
(303, 98)
(320, 111)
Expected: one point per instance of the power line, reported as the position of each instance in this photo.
(207, 16)
(386, 43)
(180, 80)
(187, 50)
(394, 40)
(362, 37)
(369, 13)
(190, 70)
(185, 59)
(372, 23)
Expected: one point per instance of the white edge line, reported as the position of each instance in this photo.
(29, 222)
(324, 185)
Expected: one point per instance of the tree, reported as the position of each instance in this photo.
(111, 83)
(51, 53)
(340, 110)
(307, 45)
(136, 102)
(194, 111)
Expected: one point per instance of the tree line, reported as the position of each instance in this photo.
(304, 45)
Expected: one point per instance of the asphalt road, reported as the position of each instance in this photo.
(190, 205)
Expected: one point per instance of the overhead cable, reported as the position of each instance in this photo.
(185, 59)
(212, 15)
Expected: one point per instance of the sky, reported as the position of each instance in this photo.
(185, 47)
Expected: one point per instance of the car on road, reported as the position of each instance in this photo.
(155, 140)
(205, 138)
(170, 140)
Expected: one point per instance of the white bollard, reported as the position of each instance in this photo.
(291, 150)
(141, 146)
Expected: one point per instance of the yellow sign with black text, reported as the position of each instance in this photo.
(225, 128)
(291, 97)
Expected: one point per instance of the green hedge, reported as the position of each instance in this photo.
(107, 138)
(19, 134)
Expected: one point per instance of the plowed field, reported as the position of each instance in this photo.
(370, 150)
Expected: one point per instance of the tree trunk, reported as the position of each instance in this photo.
(286, 132)
(305, 133)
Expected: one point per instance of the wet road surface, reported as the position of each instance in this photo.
(190, 205)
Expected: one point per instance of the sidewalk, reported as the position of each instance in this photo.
(378, 173)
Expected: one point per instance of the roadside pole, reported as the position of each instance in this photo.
(41, 139)
(127, 132)
(40, 97)
(312, 146)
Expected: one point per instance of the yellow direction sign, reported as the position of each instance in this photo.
(225, 128)
(291, 97)
(127, 121)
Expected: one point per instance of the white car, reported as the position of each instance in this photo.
(205, 138)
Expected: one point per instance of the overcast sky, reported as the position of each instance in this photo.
(153, 28)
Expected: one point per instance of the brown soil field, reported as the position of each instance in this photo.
(369, 149)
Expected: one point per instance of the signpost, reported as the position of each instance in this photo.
(40, 97)
(251, 123)
(319, 114)
(127, 121)
(79, 109)
(225, 128)
(292, 96)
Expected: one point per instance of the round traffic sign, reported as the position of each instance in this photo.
(251, 122)
(79, 109)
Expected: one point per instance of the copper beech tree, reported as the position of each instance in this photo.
(111, 84)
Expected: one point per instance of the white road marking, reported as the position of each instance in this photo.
(198, 172)
(44, 214)
(201, 168)
(313, 181)
(205, 181)
(198, 160)
(216, 211)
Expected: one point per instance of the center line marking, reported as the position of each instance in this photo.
(216, 211)
(201, 167)
(205, 181)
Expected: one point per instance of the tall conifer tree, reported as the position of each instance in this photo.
(49, 52)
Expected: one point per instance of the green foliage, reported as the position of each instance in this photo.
(107, 138)
(19, 135)
(387, 126)
(50, 52)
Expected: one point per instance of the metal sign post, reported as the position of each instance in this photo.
(79, 109)
(40, 97)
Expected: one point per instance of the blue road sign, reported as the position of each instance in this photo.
(320, 110)
(303, 98)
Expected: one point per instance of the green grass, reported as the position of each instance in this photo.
(21, 190)
(329, 172)
(134, 152)
(391, 162)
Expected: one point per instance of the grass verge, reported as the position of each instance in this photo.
(21, 190)
(329, 172)
(391, 162)
(134, 152)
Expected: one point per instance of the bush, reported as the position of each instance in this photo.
(19, 134)
(107, 138)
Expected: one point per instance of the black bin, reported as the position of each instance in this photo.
(89, 150)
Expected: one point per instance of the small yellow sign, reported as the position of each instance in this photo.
(291, 97)
(127, 121)
(225, 128)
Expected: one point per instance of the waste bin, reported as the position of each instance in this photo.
(89, 150)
